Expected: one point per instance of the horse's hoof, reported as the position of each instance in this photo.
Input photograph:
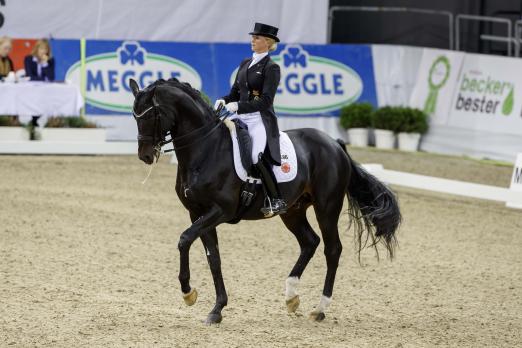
(213, 318)
(292, 304)
(191, 297)
(317, 316)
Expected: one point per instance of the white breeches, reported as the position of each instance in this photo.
(257, 132)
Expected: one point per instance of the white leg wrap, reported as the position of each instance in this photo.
(323, 304)
(291, 287)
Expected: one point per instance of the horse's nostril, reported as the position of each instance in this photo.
(146, 158)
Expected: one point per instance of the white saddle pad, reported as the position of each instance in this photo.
(284, 173)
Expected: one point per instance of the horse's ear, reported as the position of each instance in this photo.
(134, 86)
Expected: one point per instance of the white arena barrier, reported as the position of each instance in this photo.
(68, 148)
(512, 197)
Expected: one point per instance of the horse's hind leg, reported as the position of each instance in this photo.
(295, 220)
(327, 215)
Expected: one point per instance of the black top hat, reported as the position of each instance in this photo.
(265, 30)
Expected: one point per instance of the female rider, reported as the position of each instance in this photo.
(251, 98)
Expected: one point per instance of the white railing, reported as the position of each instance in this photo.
(508, 39)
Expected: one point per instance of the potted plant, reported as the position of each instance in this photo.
(356, 118)
(75, 129)
(385, 122)
(414, 123)
(12, 130)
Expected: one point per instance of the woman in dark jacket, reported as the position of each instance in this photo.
(252, 99)
(39, 65)
(6, 64)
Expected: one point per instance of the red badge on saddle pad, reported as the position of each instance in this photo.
(285, 167)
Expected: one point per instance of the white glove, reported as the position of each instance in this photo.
(218, 103)
(232, 107)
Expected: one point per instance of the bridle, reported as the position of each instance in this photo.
(158, 139)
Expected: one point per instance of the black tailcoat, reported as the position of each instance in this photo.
(254, 89)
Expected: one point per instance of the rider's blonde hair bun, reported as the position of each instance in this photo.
(272, 44)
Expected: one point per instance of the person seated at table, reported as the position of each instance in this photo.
(39, 65)
(6, 64)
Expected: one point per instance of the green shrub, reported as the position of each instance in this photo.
(401, 119)
(387, 117)
(413, 121)
(10, 121)
(69, 122)
(356, 115)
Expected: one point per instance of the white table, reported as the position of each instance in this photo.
(45, 99)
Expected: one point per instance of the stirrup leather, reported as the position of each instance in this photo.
(248, 192)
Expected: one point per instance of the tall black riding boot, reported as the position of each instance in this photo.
(274, 205)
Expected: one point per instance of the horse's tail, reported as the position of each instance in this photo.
(374, 209)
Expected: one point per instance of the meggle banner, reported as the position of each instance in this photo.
(110, 65)
(487, 96)
(315, 79)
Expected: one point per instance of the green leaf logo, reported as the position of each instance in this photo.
(507, 106)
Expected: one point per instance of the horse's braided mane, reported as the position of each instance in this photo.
(187, 88)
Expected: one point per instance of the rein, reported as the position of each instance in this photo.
(178, 143)
(158, 139)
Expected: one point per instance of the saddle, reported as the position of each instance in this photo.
(246, 171)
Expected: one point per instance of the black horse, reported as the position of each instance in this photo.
(209, 188)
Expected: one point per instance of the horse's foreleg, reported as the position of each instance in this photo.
(200, 226)
(210, 242)
(308, 240)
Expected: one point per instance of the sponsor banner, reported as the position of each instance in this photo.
(315, 79)
(473, 103)
(487, 95)
(437, 77)
(319, 80)
(110, 65)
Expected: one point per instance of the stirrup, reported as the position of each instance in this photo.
(273, 207)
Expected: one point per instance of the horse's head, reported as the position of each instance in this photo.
(153, 123)
(167, 106)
